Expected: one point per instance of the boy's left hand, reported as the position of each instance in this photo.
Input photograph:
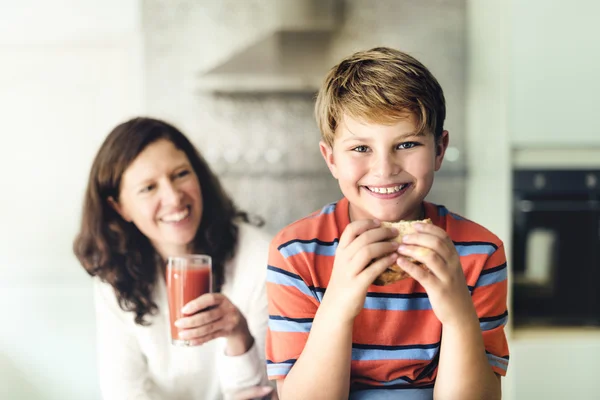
(445, 281)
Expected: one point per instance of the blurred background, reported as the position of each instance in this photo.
(239, 78)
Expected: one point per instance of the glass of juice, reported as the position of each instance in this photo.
(188, 277)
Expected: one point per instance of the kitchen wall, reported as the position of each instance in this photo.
(74, 68)
(265, 147)
(70, 70)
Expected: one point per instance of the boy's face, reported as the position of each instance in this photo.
(385, 171)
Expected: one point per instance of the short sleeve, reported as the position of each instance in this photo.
(490, 299)
(292, 304)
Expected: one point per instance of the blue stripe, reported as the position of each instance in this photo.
(318, 293)
(275, 275)
(494, 277)
(443, 212)
(496, 361)
(315, 246)
(399, 381)
(397, 304)
(328, 209)
(394, 353)
(465, 249)
(279, 369)
(282, 324)
(457, 217)
(489, 325)
(393, 394)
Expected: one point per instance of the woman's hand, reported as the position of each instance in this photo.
(256, 392)
(444, 281)
(213, 315)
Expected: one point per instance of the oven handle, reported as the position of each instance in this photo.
(557, 205)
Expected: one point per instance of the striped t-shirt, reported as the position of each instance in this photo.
(396, 337)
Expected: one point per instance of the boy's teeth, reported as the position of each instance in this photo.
(176, 217)
(386, 190)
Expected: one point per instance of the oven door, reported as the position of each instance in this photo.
(556, 262)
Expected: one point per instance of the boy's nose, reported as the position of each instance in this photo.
(386, 165)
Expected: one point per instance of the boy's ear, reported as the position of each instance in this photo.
(327, 152)
(440, 149)
(119, 209)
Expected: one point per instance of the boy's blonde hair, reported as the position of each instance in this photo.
(380, 85)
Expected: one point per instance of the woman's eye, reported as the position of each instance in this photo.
(407, 145)
(183, 173)
(147, 189)
(360, 149)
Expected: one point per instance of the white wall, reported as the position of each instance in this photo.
(70, 71)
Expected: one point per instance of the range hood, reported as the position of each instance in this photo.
(292, 59)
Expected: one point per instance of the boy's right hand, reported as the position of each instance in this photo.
(354, 269)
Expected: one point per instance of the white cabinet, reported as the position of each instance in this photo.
(554, 81)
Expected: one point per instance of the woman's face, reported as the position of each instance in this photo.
(160, 194)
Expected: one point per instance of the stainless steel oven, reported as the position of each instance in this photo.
(556, 247)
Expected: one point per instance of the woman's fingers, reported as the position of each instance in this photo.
(203, 302)
(202, 331)
(200, 318)
(197, 341)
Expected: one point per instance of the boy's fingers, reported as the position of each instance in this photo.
(418, 273)
(426, 256)
(428, 241)
(373, 235)
(355, 229)
(369, 274)
(435, 231)
(374, 251)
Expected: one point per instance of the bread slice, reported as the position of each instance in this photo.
(394, 273)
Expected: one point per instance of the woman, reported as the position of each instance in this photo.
(151, 195)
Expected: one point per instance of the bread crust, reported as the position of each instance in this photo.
(394, 273)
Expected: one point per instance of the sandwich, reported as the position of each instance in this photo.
(394, 273)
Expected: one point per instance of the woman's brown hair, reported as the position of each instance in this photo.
(115, 250)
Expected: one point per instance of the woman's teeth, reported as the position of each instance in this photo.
(387, 190)
(176, 217)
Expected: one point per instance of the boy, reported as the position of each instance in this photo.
(332, 334)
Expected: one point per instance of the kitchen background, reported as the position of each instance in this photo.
(520, 79)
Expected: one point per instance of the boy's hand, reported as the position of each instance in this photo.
(445, 281)
(354, 269)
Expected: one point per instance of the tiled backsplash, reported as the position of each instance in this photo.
(265, 147)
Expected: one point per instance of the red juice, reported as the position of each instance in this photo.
(188, 278)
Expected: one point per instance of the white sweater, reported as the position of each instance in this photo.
(139, 362)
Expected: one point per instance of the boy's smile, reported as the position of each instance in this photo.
(384, 170)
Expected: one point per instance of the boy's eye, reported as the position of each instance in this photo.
(407, 145)
(360, 149)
